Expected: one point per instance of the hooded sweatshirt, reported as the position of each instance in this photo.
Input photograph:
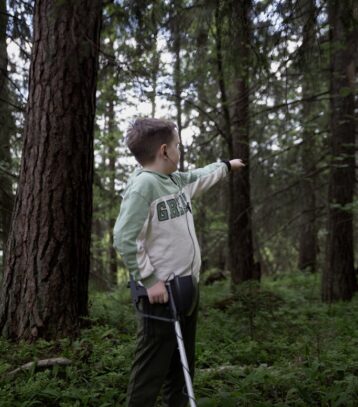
(154, 232)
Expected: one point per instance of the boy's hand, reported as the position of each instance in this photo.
(158, 293)
(236, 164)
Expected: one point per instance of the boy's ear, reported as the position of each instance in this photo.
(163, 149)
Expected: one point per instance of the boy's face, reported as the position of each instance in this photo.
(173, 152)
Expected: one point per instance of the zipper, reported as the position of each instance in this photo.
(187, 223)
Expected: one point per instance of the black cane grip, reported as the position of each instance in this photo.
(138, 291)
(141, 291)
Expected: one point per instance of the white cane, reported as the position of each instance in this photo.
(184, 362)
(183, 358)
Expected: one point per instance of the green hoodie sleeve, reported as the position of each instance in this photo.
(129, 234)
(202, 179)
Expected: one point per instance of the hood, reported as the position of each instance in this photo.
(137, 172)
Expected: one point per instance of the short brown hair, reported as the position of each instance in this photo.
(146, 135)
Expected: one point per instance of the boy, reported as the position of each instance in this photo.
(155, 235)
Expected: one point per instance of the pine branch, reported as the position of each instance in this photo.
(311, 98)
(19, 108)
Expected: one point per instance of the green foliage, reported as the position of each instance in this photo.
(302, 353)
(100, 361)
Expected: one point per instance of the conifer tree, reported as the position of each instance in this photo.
(44, 291)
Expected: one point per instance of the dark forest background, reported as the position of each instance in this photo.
(270, 82)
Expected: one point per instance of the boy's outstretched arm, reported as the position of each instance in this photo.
(201, 179)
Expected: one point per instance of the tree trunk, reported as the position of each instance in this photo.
(45, 287)
(112, 191)
(178, 79)
(308, 232)
(226, 113)
(154, 79)
(155, 57)
(338, 280)
(6, 195)
(240, 231)
(221, 75)
(200, 62)
(98, 276)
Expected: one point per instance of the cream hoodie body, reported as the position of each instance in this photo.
(154, 232)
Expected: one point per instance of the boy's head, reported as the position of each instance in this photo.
(148, 136)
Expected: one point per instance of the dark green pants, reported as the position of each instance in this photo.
(157, 360)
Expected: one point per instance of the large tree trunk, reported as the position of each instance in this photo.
(338, 280)
(308, 232)
(45, 287)
(6, 195)
(240, 231)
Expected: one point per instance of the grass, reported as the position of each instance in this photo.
(273, 346)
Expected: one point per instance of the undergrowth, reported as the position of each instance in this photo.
(273, 345)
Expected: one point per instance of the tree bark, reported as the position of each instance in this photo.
(339, 280)
(221, 75)
(98, 276)
(112, 191)
(45, 286)
(226, 113)
(308, 231)
(6, 194)
(240, 229)
(200, 63)
(178, 79)
(155, 58)
(154, 79)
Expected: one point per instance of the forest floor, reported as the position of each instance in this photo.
(277, 346)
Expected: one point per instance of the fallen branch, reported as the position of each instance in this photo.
(222, 368)
(42, 363)
(225, 368)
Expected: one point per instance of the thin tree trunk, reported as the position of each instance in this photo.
(308, 232)
(45, 286)
(155, 63)
(200, 63)
(226, 111)
(154, 78)
(221, 76)
(338, 280)
(240, 230)
(178, 80)
(112, 191)
(6, 194)
(98, 276)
